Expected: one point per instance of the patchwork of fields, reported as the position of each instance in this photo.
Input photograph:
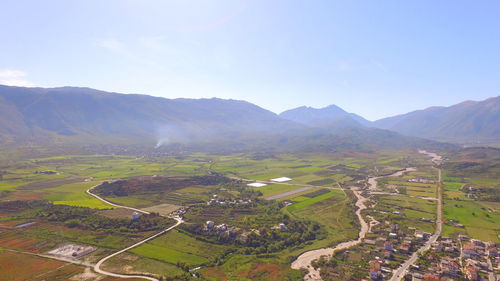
(313, 194)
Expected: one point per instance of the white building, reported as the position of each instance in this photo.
(256, 184)
(282, 179)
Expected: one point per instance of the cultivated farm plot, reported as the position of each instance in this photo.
(128, 263)
(337, 218)
(163, 209)
(479, 222)
(412, 211)
(175, 247)
(16, 266)
(251, 267)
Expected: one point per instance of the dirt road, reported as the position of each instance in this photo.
(305, 260)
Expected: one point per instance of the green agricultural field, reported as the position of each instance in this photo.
(74, 194)
(480, 223)
(275, 189)
(414, 209)
(310, 201)
(337, 218)
(134, 264)
(453, 185)
(176, 246)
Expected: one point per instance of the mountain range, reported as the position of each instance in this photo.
(469, 121)
(84, 115)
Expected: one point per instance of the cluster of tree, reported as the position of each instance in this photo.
(84, 218)
(263, 240)
(484, 169)
(22, 205)
(485, 194)
(156, 184)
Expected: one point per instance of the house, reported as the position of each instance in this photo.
(493, 252)
(393, 235)
(405, 248)
(419, 235)
(431, 277)
(135, 216)
(478, 243)
(463, 237)
(471, 274)
(388, 255)
(375, 274)
(449, 267)
(221, 227)
(375, 264)
(469, 250)
(210, 225)
(388, 246)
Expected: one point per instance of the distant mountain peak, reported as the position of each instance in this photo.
(326, 117)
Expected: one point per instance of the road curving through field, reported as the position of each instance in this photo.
(97, 266)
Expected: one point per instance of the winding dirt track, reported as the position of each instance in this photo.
(305, 260)
(97, 266)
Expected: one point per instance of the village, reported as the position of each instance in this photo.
(458, 259)
(448, 259)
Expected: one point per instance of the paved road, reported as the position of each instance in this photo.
(97, 266)
(400, 272)
(89, 191)
(285, 194)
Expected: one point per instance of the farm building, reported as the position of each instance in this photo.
(135, 216)
(282, 179)
(256, 184)
(72, 251)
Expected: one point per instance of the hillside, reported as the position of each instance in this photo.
(469, 121)
(32, 113)
(101, 122)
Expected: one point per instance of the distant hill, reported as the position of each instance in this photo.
(330, 117)
(469, 121)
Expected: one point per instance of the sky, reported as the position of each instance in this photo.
(373, 58)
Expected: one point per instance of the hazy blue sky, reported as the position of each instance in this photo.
(374, 58)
